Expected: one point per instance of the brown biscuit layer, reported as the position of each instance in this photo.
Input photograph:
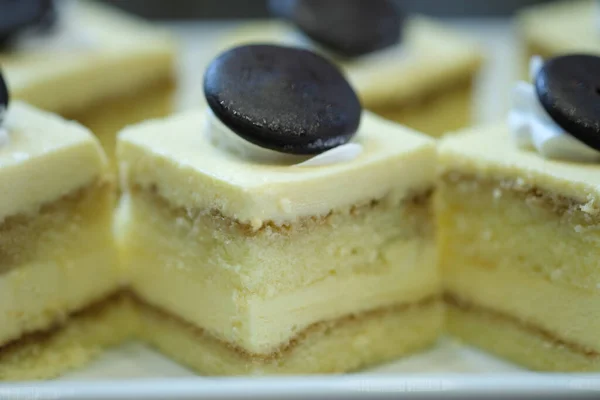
(530, 194)
(418, 203)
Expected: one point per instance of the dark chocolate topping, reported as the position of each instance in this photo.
(281, 98)
(348, 27)
(569, 90)
(17, 15)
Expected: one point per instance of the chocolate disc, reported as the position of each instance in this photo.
(16, 15)
(569, 90)
(348, 27)
(4, 98)
(281, 98)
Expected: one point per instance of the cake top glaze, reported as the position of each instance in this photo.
(45, 157)
(490, 152)
(189, 171)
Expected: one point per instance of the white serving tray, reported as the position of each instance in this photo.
(449, 370)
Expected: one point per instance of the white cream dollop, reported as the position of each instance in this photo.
(532, 126)
(223, 137)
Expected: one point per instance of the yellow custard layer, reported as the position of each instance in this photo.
(506, 338)
(346, 344)
(123, 56)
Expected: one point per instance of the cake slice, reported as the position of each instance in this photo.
(422, 78)
(519, 250)
(58, 271)
(94, 64)
(245, 260)
(518, 217)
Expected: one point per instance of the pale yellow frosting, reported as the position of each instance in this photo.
(491, 152)
(176, 155)
(563, 27)
(44, 158)
(430, 57)
(125, 55)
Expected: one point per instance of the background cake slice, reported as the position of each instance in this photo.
(96, 65)
(410, 69)
(519, 250)
(518, 219)
(58, 270)
(244, 262)
(518, 215)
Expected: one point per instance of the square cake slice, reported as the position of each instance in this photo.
(241, 267)
(58, 270)
(519, 247)
(97, 65)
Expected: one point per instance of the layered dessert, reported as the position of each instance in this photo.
(410, 69)
(559, 28)
(518, 217)
(282, 230)
(58, 272)
(87, 62)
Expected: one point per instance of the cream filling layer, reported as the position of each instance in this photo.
(570, 313)
(37, 295)
(260, 324)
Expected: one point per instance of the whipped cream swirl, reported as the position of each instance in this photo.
(223, 137)
(532, 127)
